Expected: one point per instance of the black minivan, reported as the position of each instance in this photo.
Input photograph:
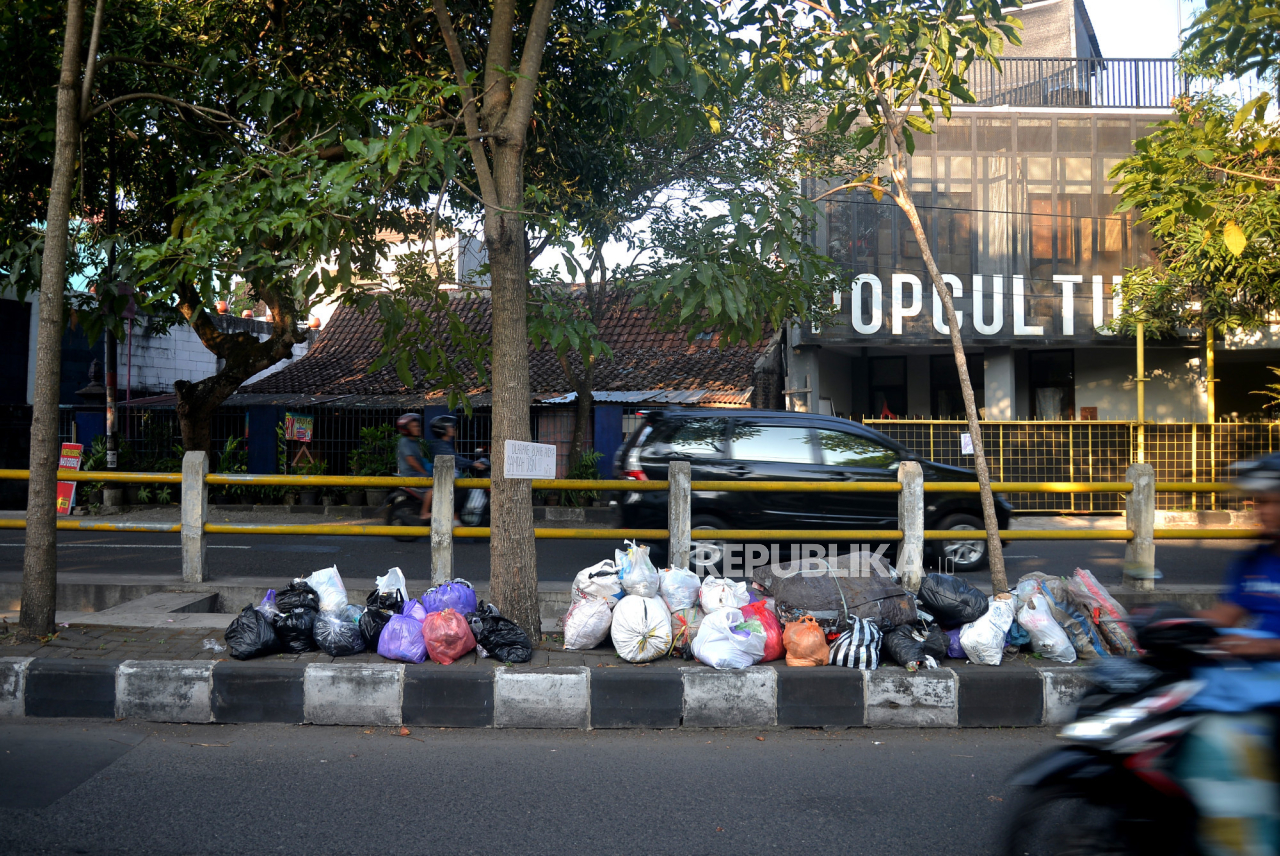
(770, 445)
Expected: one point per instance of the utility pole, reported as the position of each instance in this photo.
(109, 345)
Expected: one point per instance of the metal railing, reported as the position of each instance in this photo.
(1066, 82)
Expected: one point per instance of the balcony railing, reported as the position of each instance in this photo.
(1055, 82)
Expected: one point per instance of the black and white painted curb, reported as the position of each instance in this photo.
(571, 697)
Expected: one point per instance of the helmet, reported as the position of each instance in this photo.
(1261, 475)
(402, 424)
(440, 424)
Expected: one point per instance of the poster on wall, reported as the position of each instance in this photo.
(68, 461)
(298, 426)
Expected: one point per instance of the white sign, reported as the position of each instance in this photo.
(966, 444)
(529, 461)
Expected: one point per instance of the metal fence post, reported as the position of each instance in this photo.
(678, 503)
(195, 510)
(442, 520)
(1140, 517)
(911, 522)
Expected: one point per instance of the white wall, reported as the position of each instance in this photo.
(179, 354)
(1105, 379)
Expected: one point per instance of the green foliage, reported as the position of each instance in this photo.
(164, 495)
(1236, 38)
(144, 494)
(586, 468)
(376, 454)
(1205, 183)
(1271, 391)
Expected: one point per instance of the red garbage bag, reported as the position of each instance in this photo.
(448, 636)
(760, 611)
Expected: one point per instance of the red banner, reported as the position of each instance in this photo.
(68, 462)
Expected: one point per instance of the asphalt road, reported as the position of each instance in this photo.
(275, 557)
(128, 788)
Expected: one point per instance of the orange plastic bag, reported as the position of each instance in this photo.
(805, 642)
(772, 629)
(448, 636)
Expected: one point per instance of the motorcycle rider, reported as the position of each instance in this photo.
(409, 460)
(443, 431)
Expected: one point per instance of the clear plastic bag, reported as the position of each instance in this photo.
(638, 575)
(587, 622)
(328, 584)
(641, 629)
(983, 640)
(1047, 636)
(679, 588)
(268, 606)
(725, 641)
(392, 581)
(337, 635)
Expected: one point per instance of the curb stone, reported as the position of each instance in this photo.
(576, 697)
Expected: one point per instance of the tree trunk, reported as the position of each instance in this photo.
(40, 559)
(999, 581)
(513, 578)
(581, 422)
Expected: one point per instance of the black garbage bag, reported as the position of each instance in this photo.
(951, 600)
(831, 600)
(371, 624)
(389, 601)
(935, 644)
(296, 630)
(298, 594)
(499, 636)
(252, 635)
(904, 646)
(338, 636)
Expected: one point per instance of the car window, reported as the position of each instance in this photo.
(840, 449)
(790, 444)
(699, 438)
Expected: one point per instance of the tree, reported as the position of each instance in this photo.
(1236, 37)
(889, 67)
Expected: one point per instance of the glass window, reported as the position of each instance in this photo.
(699, 438)
(840, 449)
(995, 135)
(944, 385)
(1115, 135)
(954, 136)
(1075, 135)
(1035, 135)
(1052, 384)
(786, 444)
(888, 387)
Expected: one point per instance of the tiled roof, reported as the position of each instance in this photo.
(643, 359)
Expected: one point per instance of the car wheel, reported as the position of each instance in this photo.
(707, 555)
(961, 556)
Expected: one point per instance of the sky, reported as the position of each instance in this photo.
(1139, 29)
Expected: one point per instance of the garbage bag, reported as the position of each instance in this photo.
(951, 600)
(1113, 621)
(905, 646)
(638, 575)
(684, 627)
(1047, 636)
(586, 624)
(718, 593)
(337, 635)
(726, 641)
(1016, 636)
(499, 636)
(983, 640)
(296, 630)
(679, 588)
(456, 594)
(936, 642)
(773, 648)
(858, 647)
(641, 629)
(954, 648)
(387, 601)
(448, 636)
(268, 606)
(392, 581)
(297, 594)
(599, 580)
(832, 600)
(251, 634)
(328, 585)
(415, 610)
(1079, 629)
(401, 639)
(806, 643)
(371, 623)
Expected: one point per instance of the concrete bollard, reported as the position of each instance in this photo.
(1140, 517)
(442, 520)
(911, 522)
(678, 505)
(195, 511)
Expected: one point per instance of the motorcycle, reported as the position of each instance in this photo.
(404, 507)
(1113, 789)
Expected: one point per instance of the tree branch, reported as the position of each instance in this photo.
(497, 63)
(535, 44)
(203, 112)
(472, 119)
(107, 60)
(86, 87)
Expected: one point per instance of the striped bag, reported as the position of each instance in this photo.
(858, 647)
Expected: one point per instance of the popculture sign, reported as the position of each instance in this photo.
(988, 307)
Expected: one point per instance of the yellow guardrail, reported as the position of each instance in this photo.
(96, 476)
(96, 526)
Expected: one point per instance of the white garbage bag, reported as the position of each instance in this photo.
(641, 628)
(983, 640)
(718, 593)
(679, 588)
(327, 583)
(725, 641)
(639, 576)
(599, 580)
(392, 581)
(1047, 636)
(586, 624)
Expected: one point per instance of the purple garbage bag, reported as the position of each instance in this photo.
(953, 644)
(457, 595)
(402, 640)
(415, 610)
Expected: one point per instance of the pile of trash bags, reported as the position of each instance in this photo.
(826, 617)
(313, 614)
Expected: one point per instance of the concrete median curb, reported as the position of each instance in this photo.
(548, 697)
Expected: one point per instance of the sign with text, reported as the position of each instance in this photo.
(298, 427)
(529, 460)
(68, 461)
